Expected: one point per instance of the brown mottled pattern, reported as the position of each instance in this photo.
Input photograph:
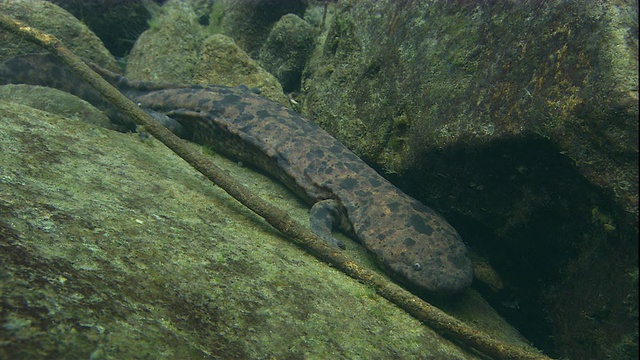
(410, 240)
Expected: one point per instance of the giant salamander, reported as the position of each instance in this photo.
(411, 241)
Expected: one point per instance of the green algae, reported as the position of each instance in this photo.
(113, 248)
(56, 21)
(513, 120)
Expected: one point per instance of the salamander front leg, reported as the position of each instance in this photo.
(323, 216)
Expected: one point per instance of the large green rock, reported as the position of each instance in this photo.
(250, 22)
(287, 50)
(114, 248)
(519, 122)
(118, 23)
(177, 48)
(56, 21)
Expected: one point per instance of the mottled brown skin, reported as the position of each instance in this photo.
(411, 241)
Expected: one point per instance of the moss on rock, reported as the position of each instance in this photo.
(54, 20)
(112, 247)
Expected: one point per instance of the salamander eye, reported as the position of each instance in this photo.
(417, 267)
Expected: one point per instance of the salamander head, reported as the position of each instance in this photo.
(426, 254)
(437, 273)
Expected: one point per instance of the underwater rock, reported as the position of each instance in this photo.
(107, 237)
(56, 21)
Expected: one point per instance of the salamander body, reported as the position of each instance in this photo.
(411, 241)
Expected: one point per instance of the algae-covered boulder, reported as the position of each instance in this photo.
(168, 50)
(222, 62)
(250, 22)
(54, 101)
(118, 23)
(178, 48)
(52, 19)
(518, 121)
(286, 51)
(112, 247)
